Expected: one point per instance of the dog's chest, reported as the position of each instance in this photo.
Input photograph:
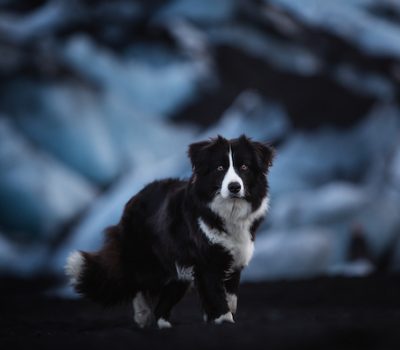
(239, 243)
(236, 239)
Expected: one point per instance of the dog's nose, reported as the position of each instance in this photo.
(234, 187)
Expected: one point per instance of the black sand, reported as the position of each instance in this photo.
(323, 313)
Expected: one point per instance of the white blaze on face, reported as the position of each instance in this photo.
(231, 176)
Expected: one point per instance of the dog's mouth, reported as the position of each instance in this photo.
(235, 196)
(231, 196)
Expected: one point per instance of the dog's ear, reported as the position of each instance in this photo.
(196, 150)
(265, 154)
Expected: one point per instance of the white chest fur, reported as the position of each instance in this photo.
(238, 218)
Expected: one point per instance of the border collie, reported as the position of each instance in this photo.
(175, 233)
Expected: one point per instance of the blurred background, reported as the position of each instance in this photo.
(97, 98)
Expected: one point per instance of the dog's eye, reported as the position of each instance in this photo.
(220, 168)
(244, 167)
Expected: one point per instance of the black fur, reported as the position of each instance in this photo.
(159, 228)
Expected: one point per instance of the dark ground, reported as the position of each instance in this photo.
(323, 313)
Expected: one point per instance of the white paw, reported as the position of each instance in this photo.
(232, 302)
(228, 317)
(143, 314)
(162, 323)
(143, 319)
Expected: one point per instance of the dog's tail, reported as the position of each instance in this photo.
(99, 276)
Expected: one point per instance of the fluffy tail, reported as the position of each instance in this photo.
(99, 276)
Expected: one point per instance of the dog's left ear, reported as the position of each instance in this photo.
(265, 154)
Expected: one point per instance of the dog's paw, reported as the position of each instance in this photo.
(163, 323)
(143, 318)
(142, 313)
(228, 317)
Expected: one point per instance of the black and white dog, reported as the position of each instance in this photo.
(173, 233)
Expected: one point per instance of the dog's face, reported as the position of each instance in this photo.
(230, 169)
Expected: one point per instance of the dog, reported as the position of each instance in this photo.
(176, 233)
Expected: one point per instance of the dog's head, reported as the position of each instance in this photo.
(230, 169)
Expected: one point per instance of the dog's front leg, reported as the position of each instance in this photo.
(213, 296)
(232, 288)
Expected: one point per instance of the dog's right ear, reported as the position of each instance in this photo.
(196, 150)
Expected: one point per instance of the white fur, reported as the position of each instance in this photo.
(232, 302)
(162, 323)
(74, 267)
(228, 317)
(238, 218)
(231, 176)
(235, 209)
(184, 273)
(240, 246)
(142, 310)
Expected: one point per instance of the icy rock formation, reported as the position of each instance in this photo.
(38, 194)
(292, 254)
(22, 260)
(152, 88)
(310, 159)
(105, 98)
(207, 11)
(251, 114)
(351, 20)
(64, 120)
